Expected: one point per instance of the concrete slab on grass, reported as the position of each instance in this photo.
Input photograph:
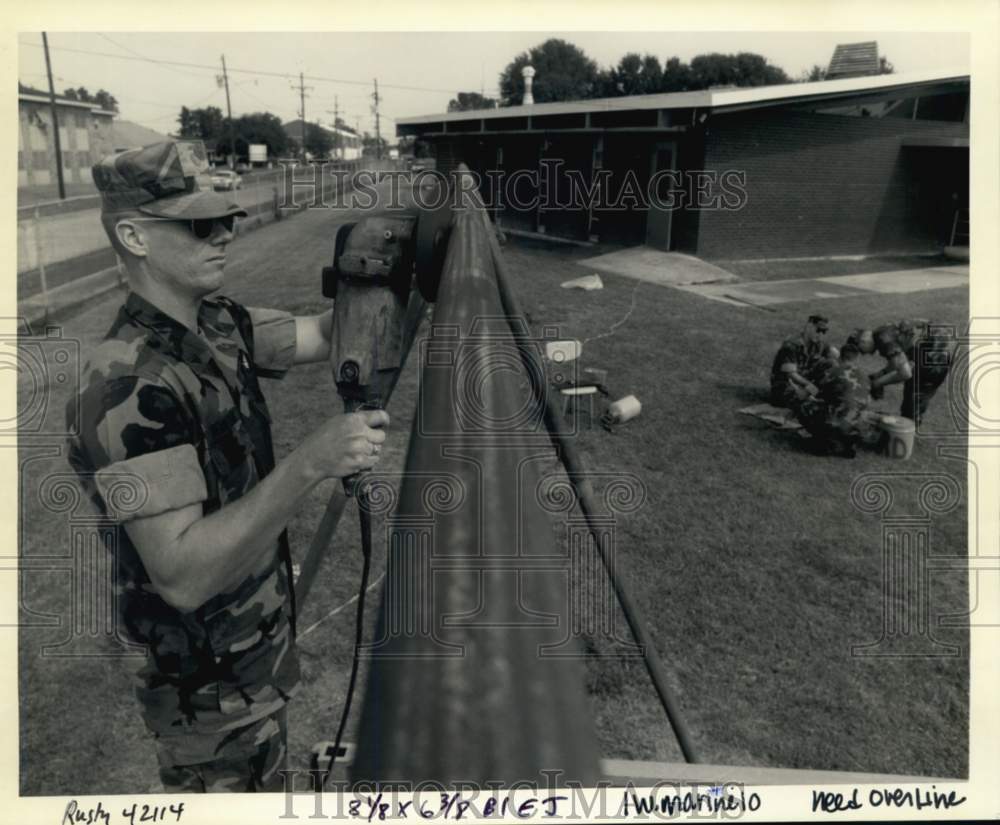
(764, 294)
(656, 266)
(909, 280)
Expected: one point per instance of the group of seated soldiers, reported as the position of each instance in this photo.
(829, 392)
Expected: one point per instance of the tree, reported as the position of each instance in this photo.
(106, 100)
(318, 140)
(260, 127)
(743, 69)
(206, 124)
(467, 101)
(634, 75)
(372, 146)
(814, 74)
(563, 72)
(676, 76)
(102, 97)
(884, 66)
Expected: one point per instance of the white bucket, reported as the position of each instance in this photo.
(900, 433)
(624, 409)
(559, 352)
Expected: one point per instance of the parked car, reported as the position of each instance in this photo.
(226, 180)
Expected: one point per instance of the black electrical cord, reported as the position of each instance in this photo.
(365, 522)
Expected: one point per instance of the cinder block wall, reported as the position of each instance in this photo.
(829, 185)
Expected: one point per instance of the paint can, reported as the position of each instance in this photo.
(899, 436)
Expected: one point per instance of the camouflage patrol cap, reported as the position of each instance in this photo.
(169, 179)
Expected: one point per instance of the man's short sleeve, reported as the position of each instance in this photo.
(274, 341)
(787, 359)
(138, 441)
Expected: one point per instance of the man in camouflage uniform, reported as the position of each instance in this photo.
(918, 355)
(795, 359)
(837, 415)
(175, 445)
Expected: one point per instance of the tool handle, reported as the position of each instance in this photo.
(352, 483)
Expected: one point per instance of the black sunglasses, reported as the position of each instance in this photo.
(203, 228)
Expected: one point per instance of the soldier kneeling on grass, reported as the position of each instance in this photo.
(170, 408)
(795, 359)
(837, 414)
(918, 355)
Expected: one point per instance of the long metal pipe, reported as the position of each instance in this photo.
(461, 686)
(576, 471)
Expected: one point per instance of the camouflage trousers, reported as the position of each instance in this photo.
(838, 429)
(933, 360)
(245, 759)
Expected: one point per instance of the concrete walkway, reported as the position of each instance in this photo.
(665, 268)
(766, 293)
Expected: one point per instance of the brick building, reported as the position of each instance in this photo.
(859, 165)
(85, 136)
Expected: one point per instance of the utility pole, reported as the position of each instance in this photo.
(229, 111)
(55, 120)
(302, 111)
(378, 131)
(336, 132)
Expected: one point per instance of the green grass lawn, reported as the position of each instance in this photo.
(755, 572)
(753, 568)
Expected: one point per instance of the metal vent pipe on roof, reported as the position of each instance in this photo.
(528, 72)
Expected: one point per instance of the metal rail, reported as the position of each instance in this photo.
(460, 687)
(585, 499)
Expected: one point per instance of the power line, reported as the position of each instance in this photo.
(177, 107)
(143, 57)
(258, 72)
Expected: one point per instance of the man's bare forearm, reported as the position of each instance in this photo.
(218, 551)
(886, 377)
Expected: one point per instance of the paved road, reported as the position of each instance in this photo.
(294, 250)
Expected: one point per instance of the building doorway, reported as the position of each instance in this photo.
(658, 219)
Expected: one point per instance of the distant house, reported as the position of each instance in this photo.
(85, 136)
(346, 144)
(858, 165)
(854, 60)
